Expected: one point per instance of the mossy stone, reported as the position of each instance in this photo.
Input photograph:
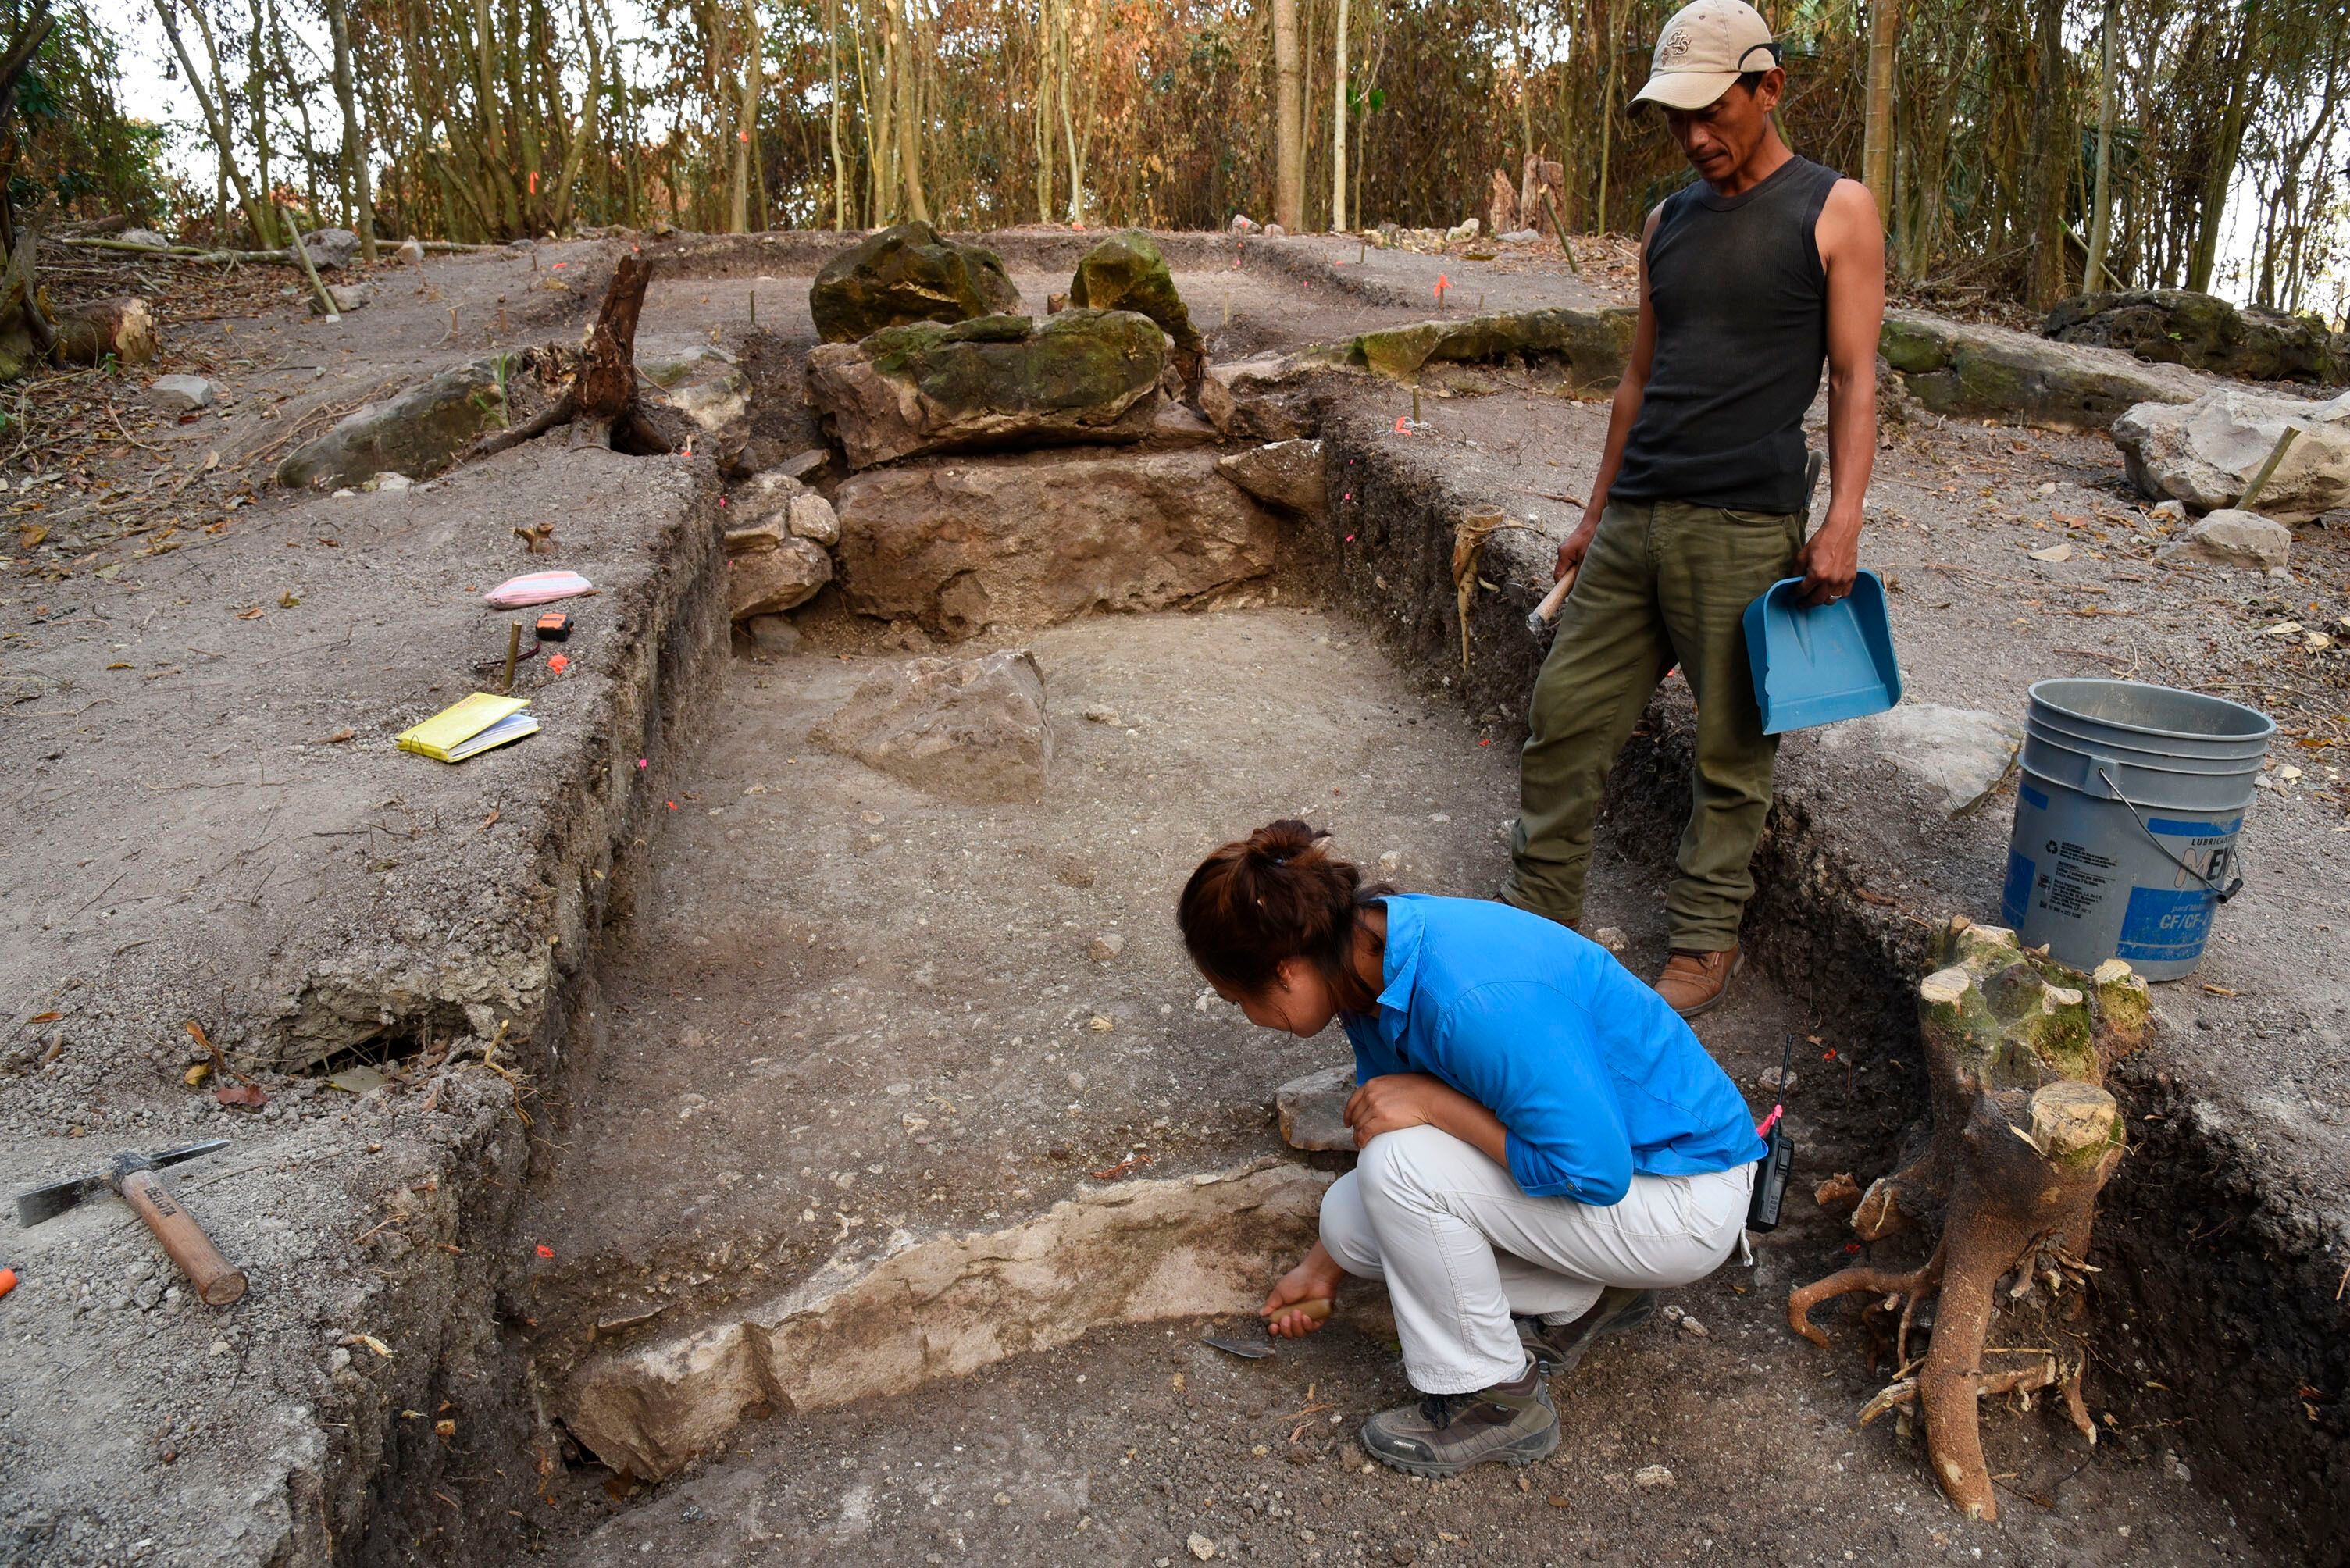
(907, 273)
(1127, 271)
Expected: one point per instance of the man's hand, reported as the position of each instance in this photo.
(1830, 559)
(1315, 1279)
(1575, 545)
(1395, 1100)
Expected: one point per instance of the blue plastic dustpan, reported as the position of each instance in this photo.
(1818, 665)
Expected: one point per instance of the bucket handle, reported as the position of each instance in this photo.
(2235, 885)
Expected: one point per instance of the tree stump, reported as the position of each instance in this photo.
(123, 327)
(592, 388)
(2023, 1135)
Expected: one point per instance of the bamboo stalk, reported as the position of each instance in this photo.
(310, 267)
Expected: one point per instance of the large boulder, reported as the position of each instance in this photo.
(2202, 331)
(1030, 541)
(1990, 372)
(415, 432)
(994, 382)
(2205, 453)
(971, 729)
(1596, 345)
(1126, 272)
(904, 274)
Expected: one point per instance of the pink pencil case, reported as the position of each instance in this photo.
(537, 588)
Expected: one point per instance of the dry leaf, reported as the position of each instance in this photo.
(255, 613)
(2282, 628)
(2054, 553)
(212, 461)
(45, 1018)
(489, 822)
(117, 666)
(339, 736)
(288, 599)
(196, 1033)
(372, 1343)
(197, 1074)
(247, 1094)
(32, 533)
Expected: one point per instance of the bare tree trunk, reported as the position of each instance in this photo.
(2206, 251)
(2094, 276)
(1606, 117)
(2051, 135)
(355, 148)
(256, 93)
(1052, 19)
(908, 55)
(1876, 144)
(832, 67)
(1288, 118)
(1339, 129)
(589, 107)
(746, 123)
(214, 105)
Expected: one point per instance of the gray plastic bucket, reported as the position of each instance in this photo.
(2125, 821)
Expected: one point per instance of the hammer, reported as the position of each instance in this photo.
(131, 1178)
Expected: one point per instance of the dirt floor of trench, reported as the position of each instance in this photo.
(842, 1006)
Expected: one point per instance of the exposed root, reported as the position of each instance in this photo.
(1856, 1280)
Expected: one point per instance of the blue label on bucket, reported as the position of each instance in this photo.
(2017, 894)
(2164, 924)
(2171, 826)
(2037, 799)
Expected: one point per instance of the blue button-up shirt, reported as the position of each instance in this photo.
(1593, 1076)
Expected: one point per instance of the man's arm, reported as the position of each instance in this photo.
(1621, 413)
(1852, 249)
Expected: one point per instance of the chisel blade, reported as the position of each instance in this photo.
(48, 1202)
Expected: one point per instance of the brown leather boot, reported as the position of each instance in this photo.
(1694, 982)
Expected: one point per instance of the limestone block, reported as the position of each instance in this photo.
(1960, 754)
(957, 544)
(971, 729)
(2229, 537)
(765, 581)
(2205, 453)
(1287, 473)
(1312, 1109)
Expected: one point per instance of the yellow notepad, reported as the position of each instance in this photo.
(470, 727)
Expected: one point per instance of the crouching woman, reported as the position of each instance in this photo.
(1544, 1141)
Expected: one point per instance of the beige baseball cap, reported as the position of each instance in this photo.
(1703, 50)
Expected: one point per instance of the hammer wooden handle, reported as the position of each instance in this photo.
(1547, 612)
(218, 1282)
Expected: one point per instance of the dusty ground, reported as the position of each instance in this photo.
(873, 1010)
(169, 884)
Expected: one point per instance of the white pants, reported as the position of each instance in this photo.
(1462, 1247)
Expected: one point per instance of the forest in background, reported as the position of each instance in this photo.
(2010, 143)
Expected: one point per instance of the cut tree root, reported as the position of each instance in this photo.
(2022, 1137)
(593, 387)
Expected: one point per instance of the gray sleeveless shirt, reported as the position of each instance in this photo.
(1741, 307)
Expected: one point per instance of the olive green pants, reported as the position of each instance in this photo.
(1663, 582)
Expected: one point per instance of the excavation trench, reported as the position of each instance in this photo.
(869, 1096)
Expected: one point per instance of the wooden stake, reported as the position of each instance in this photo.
(1415, 402)
(2276, 455)
(755, 307)
(514, 653)
(310, 268)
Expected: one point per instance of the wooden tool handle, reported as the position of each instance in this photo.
(1549, 607)
(218, 1282)
(1316, 1307)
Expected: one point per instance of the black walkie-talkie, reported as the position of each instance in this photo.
(1778, 1161)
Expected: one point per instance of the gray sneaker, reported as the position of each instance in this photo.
(1511, 1423)
(1558, 1349)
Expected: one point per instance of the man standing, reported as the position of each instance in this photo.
(1750, 276)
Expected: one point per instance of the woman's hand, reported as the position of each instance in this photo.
(1395, 1100)
(1315, 1280)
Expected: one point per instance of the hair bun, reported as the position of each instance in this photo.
(1279, 843)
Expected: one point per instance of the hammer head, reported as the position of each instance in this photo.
(48, 1202)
